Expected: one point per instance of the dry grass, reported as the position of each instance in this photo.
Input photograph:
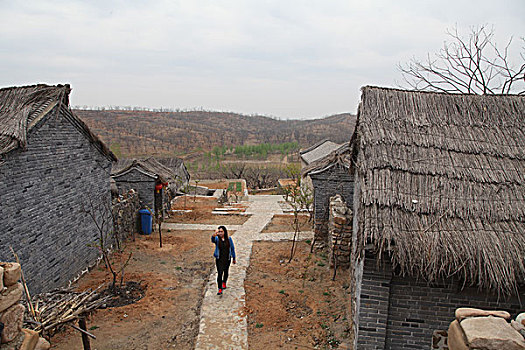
(442, 184)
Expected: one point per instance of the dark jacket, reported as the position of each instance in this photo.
(216, 252)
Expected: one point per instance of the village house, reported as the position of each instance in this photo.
(155, 183)
(51, 168)
(317, 151)
(439, 212)
(329, 175)
(177, 166)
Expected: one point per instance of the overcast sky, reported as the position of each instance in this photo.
(288, 59)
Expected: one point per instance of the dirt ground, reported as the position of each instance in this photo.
(198, 210)
(168, 316)
(295, 305)
(284, 223)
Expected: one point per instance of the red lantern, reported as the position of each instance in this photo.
(158, 187)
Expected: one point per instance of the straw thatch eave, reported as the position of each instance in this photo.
(177, 166)
(318, 151)
(21, 108)
(341, 156)
(442, 184)
(487, 254)
(149, 166)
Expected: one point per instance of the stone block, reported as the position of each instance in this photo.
(11, 296)
(491, 333)
(15, 344)
(456, 337)
(13, 319)
(42, 344)
(12, 273)
(339, 221)
(518, 326)
(1, 279)
(30, 339)
(521, 318)
(464, 312)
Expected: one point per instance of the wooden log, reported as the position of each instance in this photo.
(85, 338)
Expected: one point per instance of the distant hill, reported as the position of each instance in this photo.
(132, 133)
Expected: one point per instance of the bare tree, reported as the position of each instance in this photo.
(300, 198)
(233, 171)
(100, 214)
(473, 64)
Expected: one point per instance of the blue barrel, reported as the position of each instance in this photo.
(146, 221)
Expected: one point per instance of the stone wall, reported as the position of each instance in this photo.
(397, 312)
(13, 336)
(142, 183)
(335, 180)
(340, 232)
(125, 212)
(44, 190)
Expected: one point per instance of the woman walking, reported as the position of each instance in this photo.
(224, 252)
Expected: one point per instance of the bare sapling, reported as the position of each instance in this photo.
(299, 198)
(101, 215)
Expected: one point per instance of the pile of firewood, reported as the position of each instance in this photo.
(51, 310)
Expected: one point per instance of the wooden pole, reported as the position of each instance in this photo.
(160, 233)
(85, 337)
(24, 284)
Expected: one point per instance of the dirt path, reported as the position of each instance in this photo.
(226, 312)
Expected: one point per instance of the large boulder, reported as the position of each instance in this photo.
(491, 333)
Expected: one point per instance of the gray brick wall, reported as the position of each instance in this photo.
(42, 191)
(143, 184)
(336, 180)
(401, 313)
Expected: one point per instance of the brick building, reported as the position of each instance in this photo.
(439, 212)
(51, 165)
(155, 182)
(329, 175)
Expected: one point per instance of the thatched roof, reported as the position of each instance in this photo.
(21, 108)
(342, 156)
(150, 166)
(443, 183)
(318, 151)
(177, 166)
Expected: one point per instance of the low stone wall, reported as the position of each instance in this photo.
(340, 232)
(12, 335)
(125, 210)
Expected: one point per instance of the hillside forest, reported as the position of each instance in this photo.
(217, 144)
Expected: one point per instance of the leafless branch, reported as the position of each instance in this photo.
(473, 65)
